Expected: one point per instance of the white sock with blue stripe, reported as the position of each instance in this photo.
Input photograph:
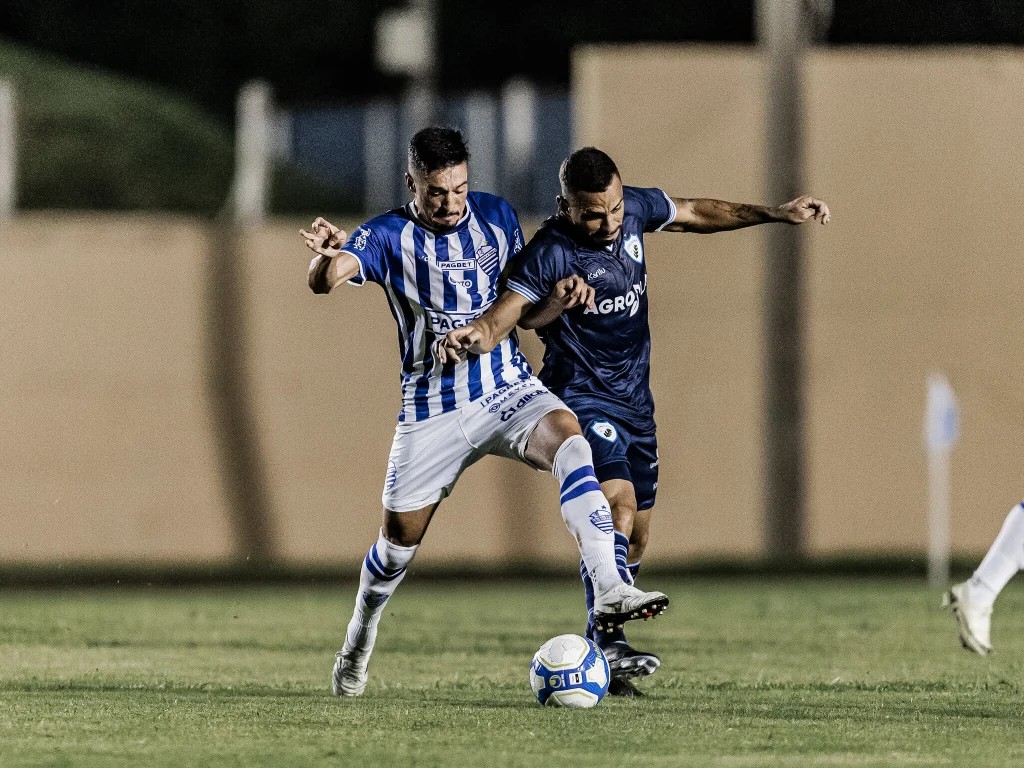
(383, 570)
(586, 511)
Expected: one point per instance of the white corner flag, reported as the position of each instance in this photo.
(941, 429)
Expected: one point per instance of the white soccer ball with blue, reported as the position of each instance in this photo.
(569, 671)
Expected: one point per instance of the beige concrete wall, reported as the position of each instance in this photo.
(109, 452)
(106, 448)
(920, 155)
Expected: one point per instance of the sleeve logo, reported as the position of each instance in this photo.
(361, 238)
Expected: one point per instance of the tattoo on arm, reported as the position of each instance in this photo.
(707, 215)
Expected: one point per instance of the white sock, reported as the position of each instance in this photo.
(383, 570)
(1004, 558)
(586, 511)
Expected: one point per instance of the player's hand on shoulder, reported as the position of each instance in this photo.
(571, 292)
(803, 208)
(323, 238)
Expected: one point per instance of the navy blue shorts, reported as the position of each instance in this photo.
(622, 450)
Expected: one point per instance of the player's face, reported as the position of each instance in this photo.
(440, 195)
(598, 215)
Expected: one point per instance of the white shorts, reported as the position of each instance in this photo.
(428, 456)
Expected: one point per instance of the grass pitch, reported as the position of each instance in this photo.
(770, 673)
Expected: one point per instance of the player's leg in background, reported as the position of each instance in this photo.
(972, 600)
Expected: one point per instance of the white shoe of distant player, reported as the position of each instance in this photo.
(973, 620)
(349, 676)
(624, 603)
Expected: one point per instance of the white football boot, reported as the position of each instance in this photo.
(974, 620)
(623, 603)
(349, 676)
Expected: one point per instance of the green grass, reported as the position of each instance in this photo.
(786, 672)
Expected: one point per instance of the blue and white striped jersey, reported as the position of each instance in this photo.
(438, 281)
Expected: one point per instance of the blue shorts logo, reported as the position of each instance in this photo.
(605, 431)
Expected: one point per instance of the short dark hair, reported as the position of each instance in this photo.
(587, 170)
(437, 147)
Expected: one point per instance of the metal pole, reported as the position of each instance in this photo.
(8, 151)
(782, 33)
(254, 141)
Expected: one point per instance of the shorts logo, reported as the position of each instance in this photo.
(497, 398)
(508, 413)
(602, 519)
(391, 477)
(605, 431)
(634, 248)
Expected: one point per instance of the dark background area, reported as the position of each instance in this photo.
(317, 53)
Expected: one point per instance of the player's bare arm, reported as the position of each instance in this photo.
(705, 216)
(485, 332)
(330, 266)
(568, 293)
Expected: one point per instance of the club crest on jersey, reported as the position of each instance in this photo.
(634, 248)
(605, 431)
(488, 257)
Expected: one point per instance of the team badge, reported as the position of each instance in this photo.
(605, 431)
(634, 248)
(602, 519)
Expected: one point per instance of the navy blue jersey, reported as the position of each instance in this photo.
(602, 353)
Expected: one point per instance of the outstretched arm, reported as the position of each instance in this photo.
(706, 216)
(330, 266)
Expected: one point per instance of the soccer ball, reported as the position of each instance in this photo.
(569, 671)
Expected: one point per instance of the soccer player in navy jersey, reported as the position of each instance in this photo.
(439, 259)
(582, 283)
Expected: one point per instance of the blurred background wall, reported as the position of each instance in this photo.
(134, 341)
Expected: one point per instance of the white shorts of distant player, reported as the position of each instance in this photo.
(428, 456)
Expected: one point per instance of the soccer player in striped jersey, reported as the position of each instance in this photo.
(439, 259)
(971, 601)
(597, 356)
